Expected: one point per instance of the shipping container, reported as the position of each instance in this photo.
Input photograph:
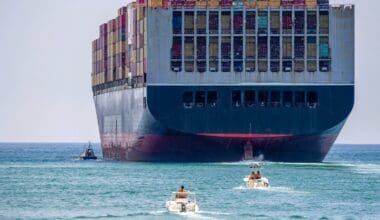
(213, 3)
(189, 3)
(201, 48)
(324, 48)
(299, 66)
(225, 3)
(201, 22)
(287, 66)
(166, 4)
(176, 50)
(122, 11)
(250, 3)
(177, 22)
(311, 22)
(263, 22)
(275, 22)
(201, 66)
(275, 47)
(275, 66)
(274, 3)
(287, 48)
(226, 47)
(226, 22)
(238, 4)
(177, 3)
(189, 22)
(299, 3)
(155, 3)
(299, 23)
(250, 47)
(226, 66)
(238, 22)
(263, 66)
(189, 47)
(311, 66)
(250, 22)
(213, 66)
(262, 4)
(324, 65)
(323, 22)
(262, 47)
(311, 47)
(213, 22)
(250, 66)
(299, 47)
(200, 3)
(323, 3)
(287, 3)
(287, 21)
(311, 4)
(238, 47)
(189, 66)
(213, 49)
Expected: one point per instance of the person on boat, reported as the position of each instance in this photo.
(252, 176)
(181, 193)
(258, 175)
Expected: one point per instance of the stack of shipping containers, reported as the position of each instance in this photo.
(219, 36)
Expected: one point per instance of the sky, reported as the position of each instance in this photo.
(45, 67)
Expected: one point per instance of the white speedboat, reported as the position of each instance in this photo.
(255, 180)
(182, 202)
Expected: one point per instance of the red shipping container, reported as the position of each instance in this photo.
(141, 2)
(299, 3)
(189, 3)
(287, 3)
(177, 3)
(225, 3)
(166, 3)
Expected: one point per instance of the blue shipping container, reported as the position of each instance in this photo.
(263, 21)
(323, 50)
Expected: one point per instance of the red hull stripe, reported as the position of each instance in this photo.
(236, 135)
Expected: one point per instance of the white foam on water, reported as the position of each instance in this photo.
(271, 189)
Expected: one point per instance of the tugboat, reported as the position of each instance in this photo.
(255, 180)
(88, 153)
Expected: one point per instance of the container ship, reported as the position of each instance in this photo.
(223, 80)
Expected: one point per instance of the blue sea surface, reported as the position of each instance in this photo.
(48, 181)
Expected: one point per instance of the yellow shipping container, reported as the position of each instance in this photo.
(311, 3)
(274, 3)
(214, 3)
(201, 3)
(155, 3)
(262, 3)
(250, 3)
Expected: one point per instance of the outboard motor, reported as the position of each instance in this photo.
(183, 207)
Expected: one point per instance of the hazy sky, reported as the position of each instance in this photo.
(45, 66)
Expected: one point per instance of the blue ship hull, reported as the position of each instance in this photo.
(152, 124)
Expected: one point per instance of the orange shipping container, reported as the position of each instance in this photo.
(214, 3)
(311, 3)
(262, 3)
(274, 3)
(201, 3)
(250, 3)
(155, 3)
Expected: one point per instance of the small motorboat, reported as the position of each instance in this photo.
(182, 202)
(88, 153)
(255, 180)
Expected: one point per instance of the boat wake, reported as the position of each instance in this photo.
(278, 189)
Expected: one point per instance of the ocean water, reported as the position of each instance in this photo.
(47, 181)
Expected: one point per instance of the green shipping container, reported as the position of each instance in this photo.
(263, 21)
(323, 50)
